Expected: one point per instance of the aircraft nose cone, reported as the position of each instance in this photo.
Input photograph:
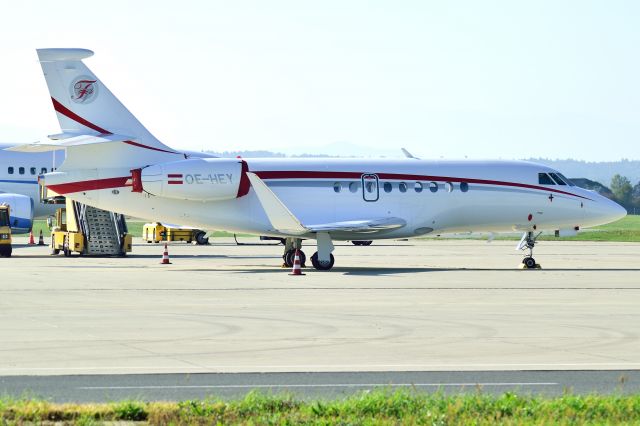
(612, 211)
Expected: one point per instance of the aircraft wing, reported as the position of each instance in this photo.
(65, 140)
(360, 226)
(284, 221)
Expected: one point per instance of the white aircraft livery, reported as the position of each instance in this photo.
(19, 185)
(114, 163)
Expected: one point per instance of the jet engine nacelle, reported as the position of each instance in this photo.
(20, 210)
(198, 179)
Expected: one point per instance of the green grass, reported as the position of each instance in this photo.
(382, 406)
(626, 229)
(135, 228)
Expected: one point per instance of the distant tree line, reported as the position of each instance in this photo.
(621, 191)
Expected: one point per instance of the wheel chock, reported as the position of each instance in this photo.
(523, 266)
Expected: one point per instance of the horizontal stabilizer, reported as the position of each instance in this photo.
(66, 140)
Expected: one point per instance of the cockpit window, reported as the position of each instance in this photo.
(566, 180)
(544, 179)
(557, 178)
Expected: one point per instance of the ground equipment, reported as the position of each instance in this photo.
(156, 232)
(89, 231)
(5, 231)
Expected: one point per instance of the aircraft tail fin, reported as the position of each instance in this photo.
(85, 106)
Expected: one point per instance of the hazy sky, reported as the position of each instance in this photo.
(508, 79)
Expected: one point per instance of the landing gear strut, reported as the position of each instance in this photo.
(528, 242)
(323, 260)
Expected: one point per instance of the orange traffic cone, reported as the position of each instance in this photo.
(31, 241)
(297, 270)
(41, 239)
(165, 256)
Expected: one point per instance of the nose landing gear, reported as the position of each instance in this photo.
(528, 242)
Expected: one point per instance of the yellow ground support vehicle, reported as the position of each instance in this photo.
(89, 231)
(5, 232)
(156, 232)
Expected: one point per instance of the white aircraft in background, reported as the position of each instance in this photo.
(114, 163)
(19, 185)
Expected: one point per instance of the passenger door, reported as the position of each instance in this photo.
(370, 188)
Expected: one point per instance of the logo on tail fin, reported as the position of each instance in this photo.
(83, 89)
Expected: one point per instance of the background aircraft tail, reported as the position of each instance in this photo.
(86, 107)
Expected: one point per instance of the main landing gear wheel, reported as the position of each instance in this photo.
(289, 256)
(529, 262)
(202, 239)
(322, 266)
(361, 243)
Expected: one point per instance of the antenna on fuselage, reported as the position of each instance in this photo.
(408, 154)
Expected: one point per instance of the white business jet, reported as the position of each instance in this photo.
(113, 162)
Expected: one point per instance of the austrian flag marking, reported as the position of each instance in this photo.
(174, 179)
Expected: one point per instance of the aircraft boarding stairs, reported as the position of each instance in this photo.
(104, 231)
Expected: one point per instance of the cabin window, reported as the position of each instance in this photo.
(21, 170)
(387, 187)
(464, 186)
(353, 187)
(32, 170)
(43, 170)
(557, 178)
(418, 186)
(370, 186)
(544, 179)
(337, 187)
(10, 170)
(402, 186)
(433, 187)
(449, 186)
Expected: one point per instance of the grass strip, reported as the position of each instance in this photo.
(381, 406)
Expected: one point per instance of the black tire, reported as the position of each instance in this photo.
(529, 262)
(362, 243)
(5, 251)
(289, 257)
(322, 266)
(202, 239)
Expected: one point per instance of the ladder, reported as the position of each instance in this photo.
(104, 231)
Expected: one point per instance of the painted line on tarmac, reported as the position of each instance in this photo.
(324, 385)
(342, 368)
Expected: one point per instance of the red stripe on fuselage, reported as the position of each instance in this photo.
(93, 185)
(394, 176)
(90, 185)
(149, 147)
